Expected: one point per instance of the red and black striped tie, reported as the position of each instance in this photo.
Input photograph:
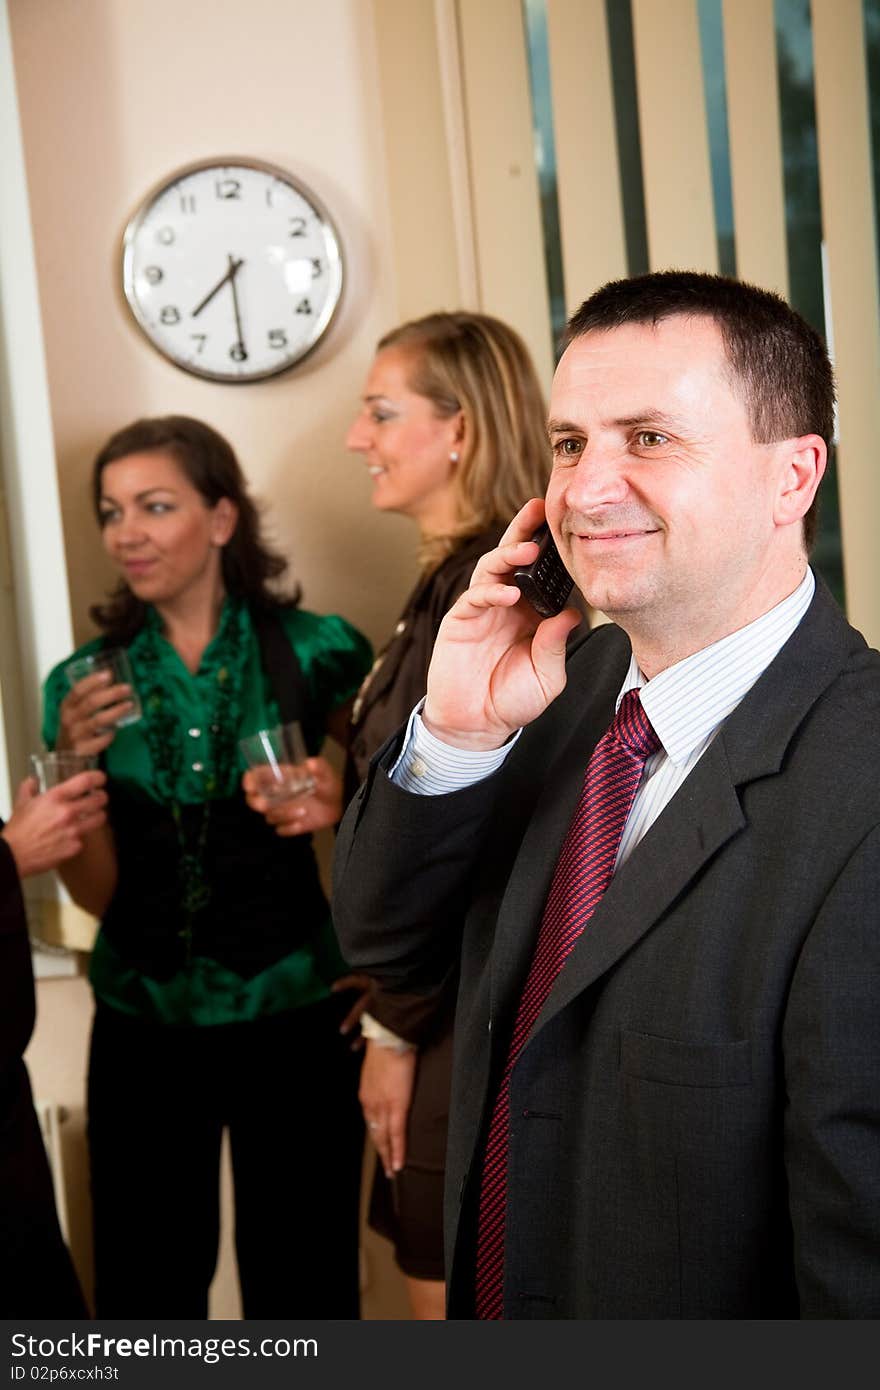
(583, 872)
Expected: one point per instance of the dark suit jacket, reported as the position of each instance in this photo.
(397, 680)
(385, 700)
(36, 1274)
(695, 1119)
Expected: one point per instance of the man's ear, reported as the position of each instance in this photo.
(803, 467)
(224, 520)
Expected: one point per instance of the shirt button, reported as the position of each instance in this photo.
(198, 767)
(194, 733)
(418, 767)
(401, 627)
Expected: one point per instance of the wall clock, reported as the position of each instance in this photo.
(233, 269)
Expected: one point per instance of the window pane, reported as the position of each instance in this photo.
(803, 216)
(872, 50)
(715, 87)
(629, 145)
(535, 14)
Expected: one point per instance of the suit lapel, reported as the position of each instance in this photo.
(704, 814)
(384, 669)
(397, 648)
(388, 662)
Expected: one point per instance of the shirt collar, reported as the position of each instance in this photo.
(687, 702)
(234, 610)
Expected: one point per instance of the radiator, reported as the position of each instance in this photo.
(51, 1116)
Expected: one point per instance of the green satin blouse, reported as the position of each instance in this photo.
(334, 658)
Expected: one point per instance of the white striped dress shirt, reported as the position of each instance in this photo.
(687, 704)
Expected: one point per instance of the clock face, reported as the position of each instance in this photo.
(232, 269)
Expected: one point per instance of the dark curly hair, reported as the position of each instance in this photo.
(249, 566)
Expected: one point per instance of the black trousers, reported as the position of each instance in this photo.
(159, 1099)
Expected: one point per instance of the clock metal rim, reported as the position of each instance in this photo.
(324, 319)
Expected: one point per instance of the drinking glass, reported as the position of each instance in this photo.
(278, 756)
(50, 769)
(115, 660)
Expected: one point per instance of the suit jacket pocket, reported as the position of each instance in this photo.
(673, 1062)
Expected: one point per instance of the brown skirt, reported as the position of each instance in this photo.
(408, 1208)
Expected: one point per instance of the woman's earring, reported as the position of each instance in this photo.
(453, 456)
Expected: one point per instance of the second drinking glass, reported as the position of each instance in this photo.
(278, 757)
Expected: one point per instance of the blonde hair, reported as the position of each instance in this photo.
(476, 364)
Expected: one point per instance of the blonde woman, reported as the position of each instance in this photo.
(453, 431)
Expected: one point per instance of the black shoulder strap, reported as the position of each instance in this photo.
(282, 666)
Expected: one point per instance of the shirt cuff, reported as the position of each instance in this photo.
(429, 767)
(376, 1032)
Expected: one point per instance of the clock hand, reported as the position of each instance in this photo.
(233, 267)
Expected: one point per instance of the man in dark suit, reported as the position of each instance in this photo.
(37, 1279)
(667, 1094)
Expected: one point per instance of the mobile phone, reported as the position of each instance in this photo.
(546, 583)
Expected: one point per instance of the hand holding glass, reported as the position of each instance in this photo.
(116, 661)
(277, 759)
(51, 769)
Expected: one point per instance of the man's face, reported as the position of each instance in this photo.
(660, 501)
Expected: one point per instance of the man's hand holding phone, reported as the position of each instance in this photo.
(545, 583)
(496, 664)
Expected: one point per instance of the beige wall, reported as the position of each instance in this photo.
(114, 95)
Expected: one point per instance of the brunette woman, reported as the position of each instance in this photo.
(215, 968)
